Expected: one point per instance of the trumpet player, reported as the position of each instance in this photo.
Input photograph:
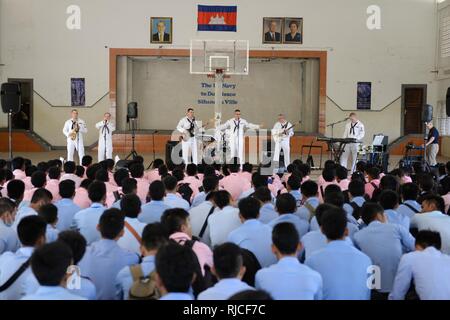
(73, 130)
(106, 128)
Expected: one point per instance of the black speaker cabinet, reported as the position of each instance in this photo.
(10, 97)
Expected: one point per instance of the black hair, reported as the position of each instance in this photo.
(15, 189)
(173, 219)
(49, 212)
(54, 173)
(210, 183)
(191, 169)
(228, 260)
(258, 180)
(178, 174)
(79, 171)
(170, 183)
(6, 205)
(335, 198)
(86, 183)
(438, 201)
(286, 203)
(130, 205)
(97, 191)
(428, 238)
(157, 163)
(30, 170)
(111, 223)
(252, 295)
(30, 229)
(41, 194)
(129, 185)
(102, 175)
(86, 161)
(328, 174)
(309, 188)
(247, 167)
(356, 188)
(154, 236)
(49, 263)
(17, 163)
(373, 172)
(76, 242)
(249, 208)
(66, 188)
(321, 209)
(157, 190)
(426, 182)
(388, 199)
(91, 171)
(222, 198)
(42, 166)
(69, 167)
(137, 170)
(234, 165)
(38, 179)
(369, 211)
(285, 237)
(294, 182)
(263, 194)
(120, 175)
(334, 223)
(409, 191)
(176, 266)
(341, 172)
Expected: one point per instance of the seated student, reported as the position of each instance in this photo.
(253, 234)
(49, 212)
(342, 177)
(433, 218)
(356, 197)
(328, 175)
(247, 170)
(8, 237)
(102, 175)
(54, 174)
(49, 265)
(15, 190)
(38, 180)
(427, 186)
(387, 182)
(153, 174)
(104, 258)
(31, 233)
(137, 172)
(86, 162)
(223, 220)
(153, 238)
(18, 167)
(343, 267)
(176, 222)
(310, 200)
(209, 184)
(66, 207)
(153, 210)
(446, 194)
(409, 193)
(293, 185)
(69, 168)
(199, 215)
(286, 207)
(234, 183)
(229, 270)
(119, 176)
(130, 205)
(86, 220)
(78, 245)
(29, 170)
(175, 271)
(128, 186)
(40, 197)
(384, 243)
(288, 279)
(172, 199)
(257, 181)
(389, 201)
(81, 198)
(267, 211)
(79, 171)
(373, 177)
(428, 267)
(192, 179)
(329, 164)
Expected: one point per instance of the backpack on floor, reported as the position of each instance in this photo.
(143, 288)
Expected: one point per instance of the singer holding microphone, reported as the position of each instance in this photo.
(353, 129)
(106, 128)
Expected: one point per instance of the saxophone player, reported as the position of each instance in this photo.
(74, 128)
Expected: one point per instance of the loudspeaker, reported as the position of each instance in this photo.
(427, 113)
(123, 164)
(132, 110)
(10, 97)
(170, 145)
(447, 102)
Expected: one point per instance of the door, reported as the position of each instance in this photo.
(24, 118)
(414, 98)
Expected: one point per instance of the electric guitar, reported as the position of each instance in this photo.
(279, 134)
(185, 136)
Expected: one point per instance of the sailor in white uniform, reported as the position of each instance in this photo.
(106, 128)
(282, 132)
(353, 129)
(74, 129)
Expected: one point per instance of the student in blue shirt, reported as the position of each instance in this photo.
(49, 212)
(344, 269)
(175, 271)
(310, 191)
(49, 265)
(356, 193)
(129, 186)
(154, 237)
(8, 237)
(229, 270)
(384, 243)
(15, 191)
(153, 210)
(286, 207)
(86, 221)
(40, 197)
(120, 176)
(267, 211)
(209, 184)
(409, 193)
(252, 234)
(66, 207)
(293, 187)
(288, 279)
(388, 199)
(104, 258)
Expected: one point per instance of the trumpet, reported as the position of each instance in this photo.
(73, 134)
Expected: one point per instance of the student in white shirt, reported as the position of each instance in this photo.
(15, 191)
(428, 267)
(172, 199)
(153, 210)
(40, 197)
(175, 271)
(209, 184)
(199, 217)
(130, 205)
(267, 211)
(409, 193)
(8, 236)
(229, 270)
(49, 212)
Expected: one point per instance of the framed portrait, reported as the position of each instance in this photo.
(161, 29)
(293, 31)
(272, 30)
(364, 95)
(78, 92)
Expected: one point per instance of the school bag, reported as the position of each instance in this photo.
(143, 288)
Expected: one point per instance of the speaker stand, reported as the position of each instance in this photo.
(10, 135)
(133, 154)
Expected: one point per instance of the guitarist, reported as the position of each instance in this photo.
(188, 127)
(282, 132)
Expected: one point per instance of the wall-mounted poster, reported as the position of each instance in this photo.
(272, 30)
(293, 31)
(161, 30)
(78, 93)
(364, 95)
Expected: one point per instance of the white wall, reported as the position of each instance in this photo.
(34, 42)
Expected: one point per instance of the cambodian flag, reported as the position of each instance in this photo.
(217, 18)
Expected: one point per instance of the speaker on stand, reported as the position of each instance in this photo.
(132, 115)
(10, 101)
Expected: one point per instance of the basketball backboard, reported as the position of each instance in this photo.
(229, 56)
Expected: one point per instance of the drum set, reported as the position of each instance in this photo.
(373, 154)
(215, 148)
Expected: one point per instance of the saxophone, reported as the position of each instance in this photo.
(73, 134)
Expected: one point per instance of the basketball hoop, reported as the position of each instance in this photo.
(218, 71)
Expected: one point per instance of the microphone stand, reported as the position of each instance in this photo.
(333, 124)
